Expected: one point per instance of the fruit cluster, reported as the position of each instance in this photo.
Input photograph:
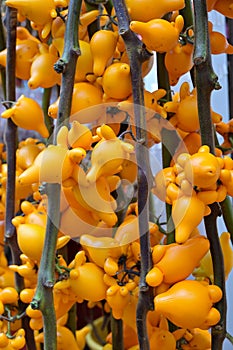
(94, 161)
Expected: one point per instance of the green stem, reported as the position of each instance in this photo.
(187, 14)
(219, 330)
(117, 332)
(229, 337)
(205, 78)
(227, 212)
(168, 138)
(11, 128)
(10, 136)
(45, 105)
(43, 298)
(137, 54)
(72, 319)
(67, 64)
(95, 25)
(206, 81)
(162, 76)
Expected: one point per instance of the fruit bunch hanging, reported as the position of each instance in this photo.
(93, 157)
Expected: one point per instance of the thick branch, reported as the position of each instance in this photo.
(137, 53)
(67, 63)
(10, 136)
(206, 81)
(219, 330)
(43, 299)
(11, 128)
(168, 138)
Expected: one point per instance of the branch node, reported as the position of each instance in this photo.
(35, 304)
(217, 85)
(199, 60)
(122, 31)
(77, 51)
(144, 288)
(141, 141)
(49, 284)
(60, 65)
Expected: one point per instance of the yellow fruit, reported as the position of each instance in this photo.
(27, 113)
(117, 74)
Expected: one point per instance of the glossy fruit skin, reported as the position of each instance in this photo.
(188, 304)
(102, 38)
(26, 236)
(79, 135)
(26, 155)
(162, 179)
(218, 42)
(182, 215)
(84, 63)
(145, 11)
(115, 74)
(178, 260)
(21, 111)
(42, 73)
(186, 111)
(100, 248)
(84, 278)
(26, 295)
(202, 169)
(96, 197)
(205, 268)
(198, 338)
(26, 50)
(163, 339)
(118, 297)
(108, 154)
(159, 34)
(9, 295)
(178, 61)
(224, 7)
(85, 95)
(41, 16)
